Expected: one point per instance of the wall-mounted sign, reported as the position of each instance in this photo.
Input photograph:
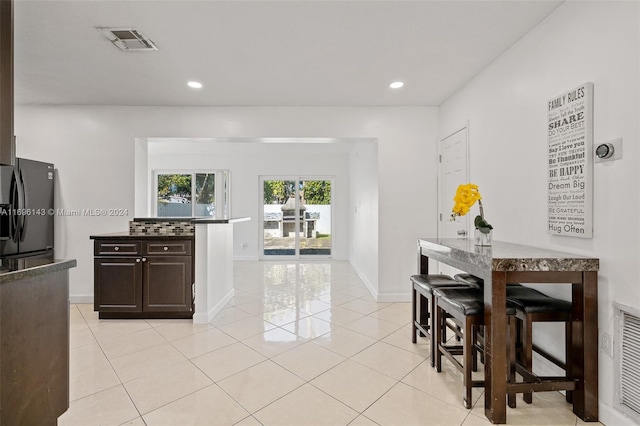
(570, 130)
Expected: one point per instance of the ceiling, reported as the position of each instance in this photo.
(248, 53)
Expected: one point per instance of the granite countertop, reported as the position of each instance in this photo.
(163, 219)
(127, 236)
(55, 266)
(213, 220)
(502, 256)
(191, 219)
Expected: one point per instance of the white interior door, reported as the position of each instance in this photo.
(453, 171)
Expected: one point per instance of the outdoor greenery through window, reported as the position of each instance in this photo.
(187, 194)
(297, 217)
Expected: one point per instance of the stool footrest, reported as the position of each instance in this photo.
(545, 384)
(449, 352)
(533, 383)
(424, 328)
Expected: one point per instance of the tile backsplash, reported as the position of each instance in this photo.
(155, 227)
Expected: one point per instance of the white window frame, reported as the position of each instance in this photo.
(221, 175)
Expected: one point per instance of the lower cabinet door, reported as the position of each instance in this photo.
(118, 284)
(167, 283)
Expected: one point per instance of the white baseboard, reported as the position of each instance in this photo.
(610, 416)
(81, 298)
(364, 279)
(202, 318)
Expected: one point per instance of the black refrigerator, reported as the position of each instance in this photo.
(26, 213)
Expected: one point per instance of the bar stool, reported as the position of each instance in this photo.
(532, 306)
(422, 297)
(466, 307)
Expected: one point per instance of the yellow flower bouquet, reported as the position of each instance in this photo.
(466, 196)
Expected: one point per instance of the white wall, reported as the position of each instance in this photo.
(248, 161)
(363, 212)
(93, 149)
(506, 108)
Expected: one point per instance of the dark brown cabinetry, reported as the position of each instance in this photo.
(143, 278)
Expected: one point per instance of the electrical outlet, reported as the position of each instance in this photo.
(605, 343)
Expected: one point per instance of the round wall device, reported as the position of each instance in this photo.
(604, 150)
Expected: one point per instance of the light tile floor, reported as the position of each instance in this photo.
(301, 343)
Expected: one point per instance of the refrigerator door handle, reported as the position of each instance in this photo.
(23, 204)
(14, 219)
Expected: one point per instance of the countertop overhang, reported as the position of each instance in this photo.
(501, 256)
(212, 220)
(191, 219)
(34, 271)
(128, 236)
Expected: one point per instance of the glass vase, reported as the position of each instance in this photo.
(482, 239)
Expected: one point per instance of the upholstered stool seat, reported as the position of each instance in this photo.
(423, 306)
(469, 279)
(533, 301)
(472, 280)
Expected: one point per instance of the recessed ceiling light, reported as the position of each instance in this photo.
(195, 84)
(396, 85)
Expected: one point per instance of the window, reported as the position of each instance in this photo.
(192, 194)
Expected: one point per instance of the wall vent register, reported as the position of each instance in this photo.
(627, 360)
(128, 39)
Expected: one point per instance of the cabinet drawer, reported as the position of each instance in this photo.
(169, 247)
(119, 248)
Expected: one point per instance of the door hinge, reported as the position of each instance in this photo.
(440, 217)
(440, 158)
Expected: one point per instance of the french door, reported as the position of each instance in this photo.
(297, 217)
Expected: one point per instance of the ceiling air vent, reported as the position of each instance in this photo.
(128, 39)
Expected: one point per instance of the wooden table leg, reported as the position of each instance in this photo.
(495, 363)
(423, 263)
(584, 347)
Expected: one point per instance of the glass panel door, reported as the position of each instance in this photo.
(280, 201)
(316, 217)
(297, 217)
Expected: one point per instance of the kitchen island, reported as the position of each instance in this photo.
(143, 276)
(165, 268)
(34, 343)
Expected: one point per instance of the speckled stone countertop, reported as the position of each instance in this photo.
(163, 219)
(212, 220)
(55, 266)
(506, 256)
(191, 219)
(127, 236)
